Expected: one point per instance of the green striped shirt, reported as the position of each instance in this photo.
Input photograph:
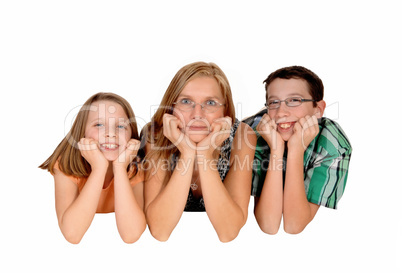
(326, 163)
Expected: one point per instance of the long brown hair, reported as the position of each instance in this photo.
(161, 147)
(67, 154)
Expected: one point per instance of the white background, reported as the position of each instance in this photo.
(56, 54)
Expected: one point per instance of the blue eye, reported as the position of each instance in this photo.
(121, 127)
(211, 103)
(98, 125)
(185, 101)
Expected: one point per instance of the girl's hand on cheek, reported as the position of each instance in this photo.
(128, 154)
(305, 130)
(89, 149)
(219, 132)
(173, 130)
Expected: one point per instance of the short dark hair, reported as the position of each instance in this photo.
(316, 87)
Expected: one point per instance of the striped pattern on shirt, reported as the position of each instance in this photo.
(326, 163)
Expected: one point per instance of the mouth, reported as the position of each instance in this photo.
(197, 128)
(285, 126)
(198, 125)
(109, 146)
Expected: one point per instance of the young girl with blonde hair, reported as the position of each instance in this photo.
(94, 171)
(198, 155)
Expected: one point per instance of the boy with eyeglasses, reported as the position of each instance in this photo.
(301, 159)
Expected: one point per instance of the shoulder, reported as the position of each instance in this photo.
(332, 137)
(154, 167)
(245, 139)
(136, 173)
(60, 175)
(138, 177)
(245, 130)
(253, 120)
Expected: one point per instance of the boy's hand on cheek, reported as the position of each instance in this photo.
(305, 130)
(267, 128)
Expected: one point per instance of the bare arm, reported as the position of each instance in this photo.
(75, 211)
(164, 203)
(269, 206)
(297, 211)
(130, 218)
(227, 203)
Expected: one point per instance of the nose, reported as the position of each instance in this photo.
(111, 129)
(282, 110)
(197, 111)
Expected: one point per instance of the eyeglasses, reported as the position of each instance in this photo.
(291, 102)
(208, 106)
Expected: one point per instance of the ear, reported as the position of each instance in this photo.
(320, 108)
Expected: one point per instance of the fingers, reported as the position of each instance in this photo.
(133, 145)
(172, 128)
(89, 149)
(219, 132)
(129, 153)
(221, 124)
(266, 126)
(307, 129)
(309, 123)
(88, 144)
(221, 128)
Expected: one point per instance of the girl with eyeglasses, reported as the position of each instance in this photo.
(198, 155)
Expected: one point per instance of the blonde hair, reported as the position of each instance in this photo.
(161, 147)
(67, 155)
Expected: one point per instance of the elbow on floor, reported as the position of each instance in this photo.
(130, 239)
(267, 227)
(134, 236)
(72, 238)
(161, 236)
(228, 236)
(293, 228)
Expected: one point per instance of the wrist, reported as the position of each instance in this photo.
(278, 150)
(117, 167)
(207, 158)
(276, 154)
(275, 162)
(294, 152)
(188, 154)
(99, 169)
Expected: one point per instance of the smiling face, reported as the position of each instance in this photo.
(108, 124)
(285, 116)
(196, 122)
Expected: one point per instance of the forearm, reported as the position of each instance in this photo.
(268, 210)
(77, 218)
(297, 211)
(225, 214)
(165, 211)
(130, 218)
